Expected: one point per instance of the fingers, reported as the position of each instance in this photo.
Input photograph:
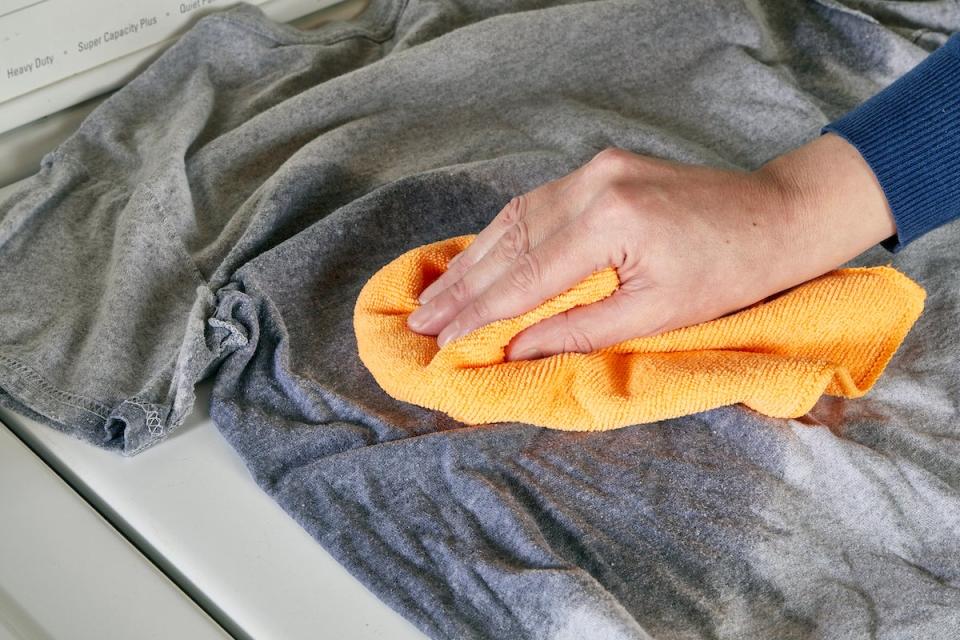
(591, 327)
(442, 308)
(550, 268)
(515, 211)
(522, 224)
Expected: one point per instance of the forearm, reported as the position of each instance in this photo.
(831, 209)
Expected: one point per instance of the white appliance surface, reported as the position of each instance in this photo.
(188, 504)
(66, 573)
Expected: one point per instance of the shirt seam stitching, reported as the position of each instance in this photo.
(377, 35)
(180, 245)
(178, 240)
(40, 383)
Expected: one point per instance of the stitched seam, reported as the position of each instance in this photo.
(153, 422)
(54, 393)
(378, 34)
(377, 38)
(100, 410)
(178, 241)
(162, 213)
(154, 425)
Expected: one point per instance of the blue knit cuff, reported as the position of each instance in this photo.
(909, 134)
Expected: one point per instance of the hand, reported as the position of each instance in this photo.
(690, 244)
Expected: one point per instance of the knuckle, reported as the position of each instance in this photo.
(515, 242)
(459, 291)
(459, 268)
(514, 211)
(526, 274)
(576, 340)
(478, 312)
(611, 161)
(614, 209)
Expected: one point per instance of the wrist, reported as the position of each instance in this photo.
(831, 205)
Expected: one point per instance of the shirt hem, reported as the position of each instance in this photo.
(128, 427)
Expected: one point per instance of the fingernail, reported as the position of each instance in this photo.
(452, 332)
(423, 298)
(527, 354)
(420, 317)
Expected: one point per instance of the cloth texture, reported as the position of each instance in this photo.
(909, 134)
(834, 334)
(218, 215)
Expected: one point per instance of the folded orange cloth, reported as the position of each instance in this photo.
(833, 335)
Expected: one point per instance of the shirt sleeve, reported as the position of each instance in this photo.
(909, 134)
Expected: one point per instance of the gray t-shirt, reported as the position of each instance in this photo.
(219, 214)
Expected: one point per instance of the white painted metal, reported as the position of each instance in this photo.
(66, 573)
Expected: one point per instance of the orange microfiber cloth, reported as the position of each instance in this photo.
(834, 334)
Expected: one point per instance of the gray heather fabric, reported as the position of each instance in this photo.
(220, 213)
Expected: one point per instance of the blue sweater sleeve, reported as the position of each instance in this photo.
(909, 134)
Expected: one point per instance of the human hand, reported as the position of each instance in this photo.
(689, 243)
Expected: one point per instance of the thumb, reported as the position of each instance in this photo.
(614, 319)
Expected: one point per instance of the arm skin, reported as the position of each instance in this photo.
(690, 243)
